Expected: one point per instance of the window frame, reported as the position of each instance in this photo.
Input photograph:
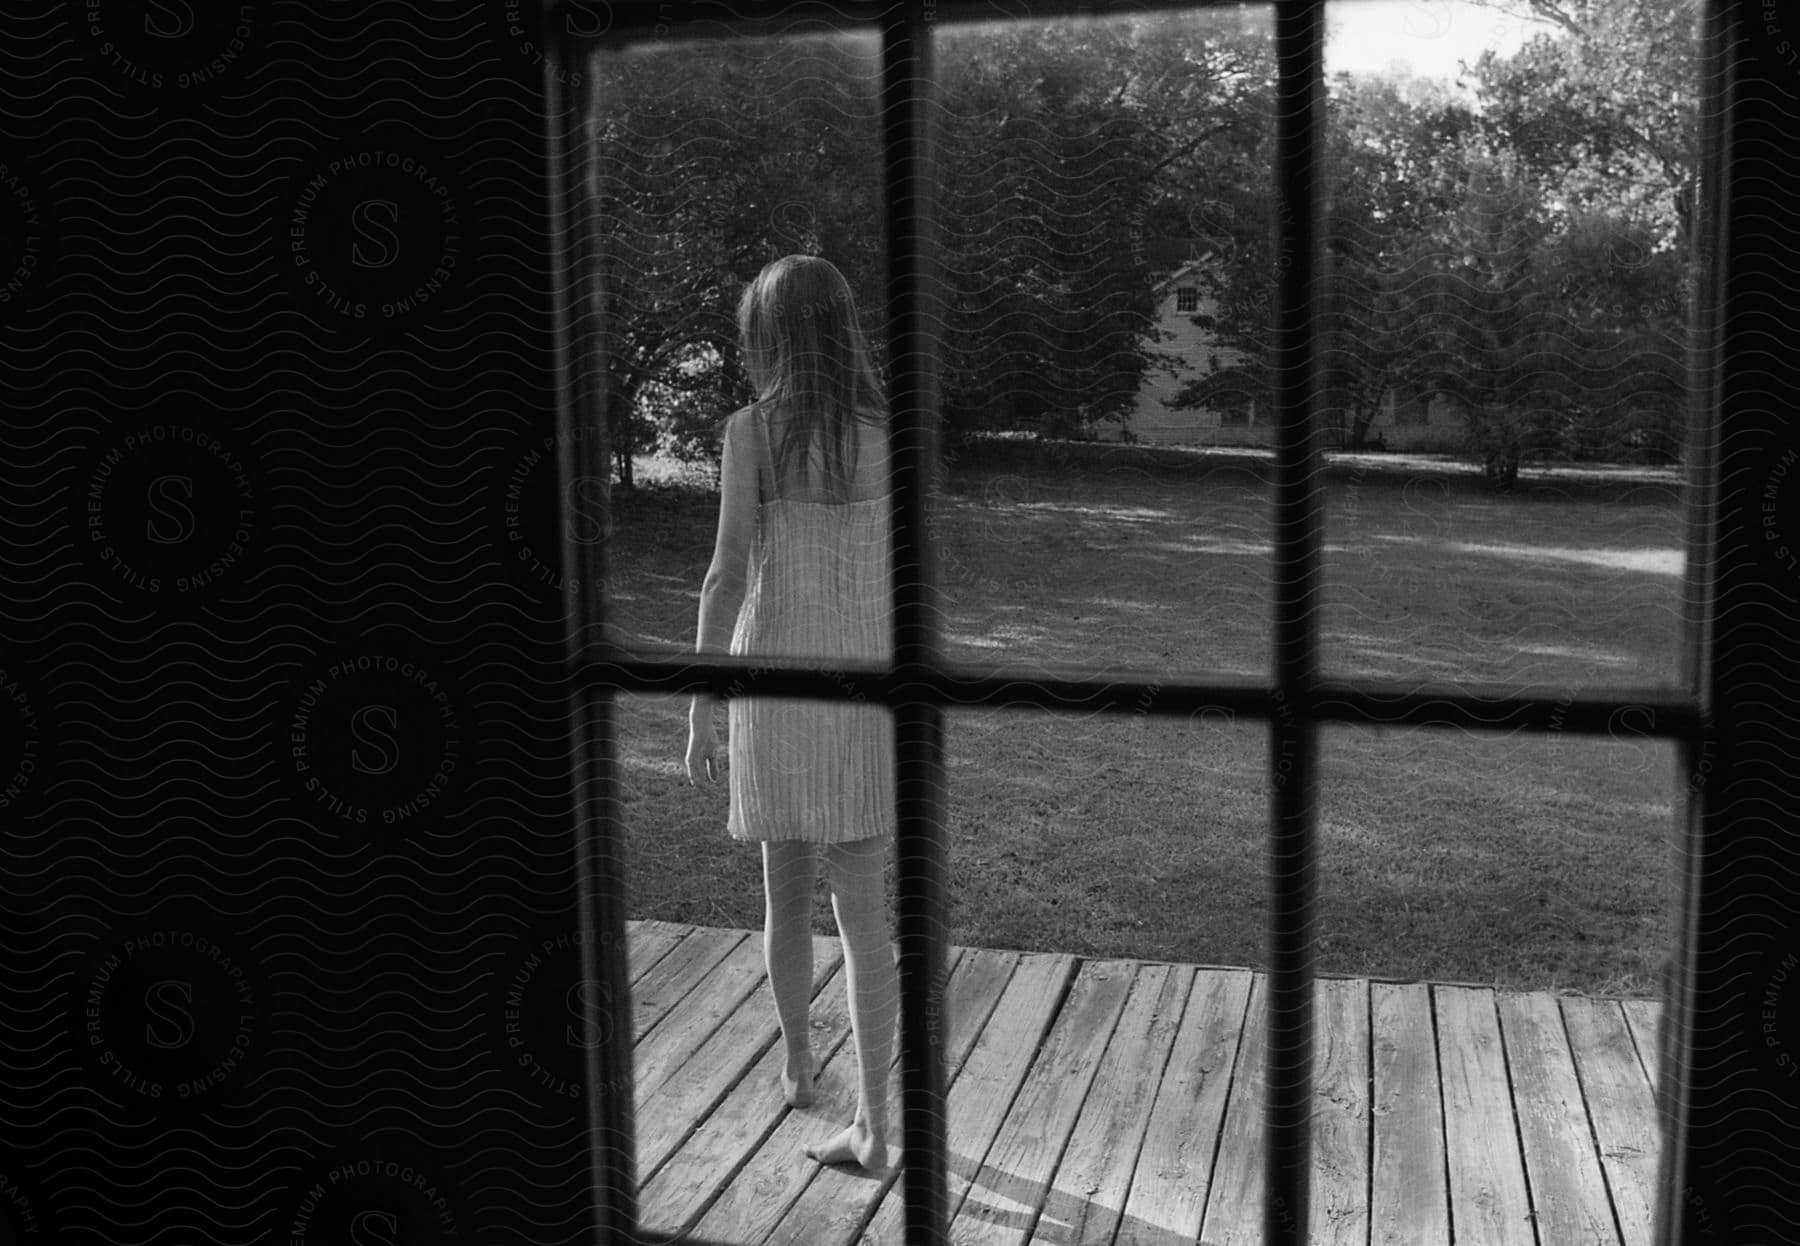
(921, 683)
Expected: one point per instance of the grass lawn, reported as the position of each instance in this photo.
(1531, 861)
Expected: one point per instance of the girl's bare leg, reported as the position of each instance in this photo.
(788, 870)
(858, 897)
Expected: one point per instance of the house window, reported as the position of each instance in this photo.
(1187, 299)
(1294, 699)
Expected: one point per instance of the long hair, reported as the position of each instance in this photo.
(804, 349)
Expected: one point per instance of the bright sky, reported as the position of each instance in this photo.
(1427, 36)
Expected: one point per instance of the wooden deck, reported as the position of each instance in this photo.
(1109, 1101)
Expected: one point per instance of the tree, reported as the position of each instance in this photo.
(1550, 344)
(1056, 142)
(1386, 188)
(702, 168)
(1456, 264)
(1485, 336)
(1385, 184)
(1622, 306)
(1051, 146)
(1601, 105)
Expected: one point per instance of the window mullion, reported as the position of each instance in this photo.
(1293, 729)
(921, 880)
(598, 831)
(1679, 1216)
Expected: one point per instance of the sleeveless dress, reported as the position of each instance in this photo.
(818, 590)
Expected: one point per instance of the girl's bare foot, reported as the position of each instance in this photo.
(797, 1082)
(856, 1144)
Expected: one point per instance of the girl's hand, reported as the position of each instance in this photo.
(703, 743)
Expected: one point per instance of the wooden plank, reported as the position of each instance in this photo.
(1338, 1202)
(1087, 1194)
(755, 1199)
(1568, 1192)
(1234, 1204)
(983, 1089)
(1338, 1206)
(688, 1024)
(675, 1195)
(677, 973)
(1408, 1206)
(724, 1158)
(668, 1114)
(760, 1195)
(1621, 1107)
(1009, 1188)
(1488, 1201)
(837, 1201)
(1174, 1169)
(1003, 1200)
(648, 942)
(1644, 1016)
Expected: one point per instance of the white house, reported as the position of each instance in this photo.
(1406, 421)
(1180, 297)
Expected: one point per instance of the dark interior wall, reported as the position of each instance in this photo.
(286, 881)
(1741, 1151)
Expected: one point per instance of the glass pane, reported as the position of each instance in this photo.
(1104, 197)
(683, 866)
(1505, 344)
(1094, 835)
(1528, 880)
(1532, 861)
(1124, 858)
(1095, 863)
(736, 191)
(720, 1154)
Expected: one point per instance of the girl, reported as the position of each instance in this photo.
(801, 564)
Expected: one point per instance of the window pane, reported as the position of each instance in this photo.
(712, 160)
(718, 1151)
(1105, 199)
(1095, 834)
(1532, 861)
(1508, 265)
(1536, 871)
(1130, 842)
(683, 865)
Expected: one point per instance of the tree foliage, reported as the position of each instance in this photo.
(1061, 147)
(1601, 106)
(1043, 167)
(704, 167)
(1522, 253)
(1525, 258)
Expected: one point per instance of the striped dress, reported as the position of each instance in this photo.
(818, 590)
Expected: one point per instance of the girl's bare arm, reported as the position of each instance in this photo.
(722, 592)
